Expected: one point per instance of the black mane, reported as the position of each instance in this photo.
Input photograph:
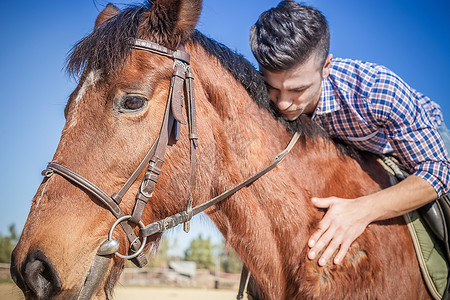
(108, 48)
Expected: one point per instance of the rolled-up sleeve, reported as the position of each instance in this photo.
(400, 111)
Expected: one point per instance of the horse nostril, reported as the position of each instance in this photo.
(40, 276)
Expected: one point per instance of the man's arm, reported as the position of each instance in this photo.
(346, 219)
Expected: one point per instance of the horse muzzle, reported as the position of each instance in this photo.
(37, 277)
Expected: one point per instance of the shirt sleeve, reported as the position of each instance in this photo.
(399, 110)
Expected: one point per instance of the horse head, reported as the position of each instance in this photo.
(112, 118)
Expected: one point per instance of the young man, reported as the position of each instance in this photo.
(365, 105)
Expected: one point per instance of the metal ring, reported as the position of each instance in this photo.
(144, 240)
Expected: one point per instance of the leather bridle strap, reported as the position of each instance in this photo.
(181, 76)
(106, 200)
(181, 217)
(193, 137)
(179, 54)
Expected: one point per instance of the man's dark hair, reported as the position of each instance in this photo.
(285, 36)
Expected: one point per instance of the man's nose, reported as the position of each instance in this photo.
(283, 101)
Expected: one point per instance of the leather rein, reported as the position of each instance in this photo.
(182, 77)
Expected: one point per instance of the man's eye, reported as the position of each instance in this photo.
(269, 87)
(133, 103)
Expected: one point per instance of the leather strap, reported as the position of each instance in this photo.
(179, 54)
(176, 89)
(155, 165)
(193, 137)
(181, 217)
(182, 75)
(242, 282)
(74, 177)
(106, 200)
(154, 158)
(191, 107)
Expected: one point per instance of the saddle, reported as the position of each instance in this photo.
(429, 227)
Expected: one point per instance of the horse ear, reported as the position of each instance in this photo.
(188, 15)
(107, 13)
(175, 18)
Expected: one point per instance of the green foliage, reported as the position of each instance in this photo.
(7, 244)
(201, 252)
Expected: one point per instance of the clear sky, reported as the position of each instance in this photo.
(410, 37)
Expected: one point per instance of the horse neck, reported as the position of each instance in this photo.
(245, 129)
(238, 138)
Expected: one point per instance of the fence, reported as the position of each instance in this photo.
(166, 277)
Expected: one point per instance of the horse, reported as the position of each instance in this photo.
(114, 115)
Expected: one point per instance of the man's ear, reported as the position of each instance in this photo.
(110, 11)
(326, 66)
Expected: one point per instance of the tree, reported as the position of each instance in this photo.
(201, 252)
(7, 244)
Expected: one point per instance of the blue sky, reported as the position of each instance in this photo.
(410, 37)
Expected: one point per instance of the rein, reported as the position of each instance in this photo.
(182, 76)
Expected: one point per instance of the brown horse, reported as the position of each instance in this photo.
(115, 114)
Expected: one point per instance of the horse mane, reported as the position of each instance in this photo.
(107, 48)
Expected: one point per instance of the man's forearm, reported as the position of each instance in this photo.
(409, 194)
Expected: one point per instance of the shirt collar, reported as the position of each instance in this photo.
(328, 101)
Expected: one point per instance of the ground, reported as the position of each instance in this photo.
(9, 291)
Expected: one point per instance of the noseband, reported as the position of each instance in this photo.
(182, 76)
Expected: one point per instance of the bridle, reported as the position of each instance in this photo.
(153, 160)
(182, 77)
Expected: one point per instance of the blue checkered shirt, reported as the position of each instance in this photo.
(370, 107)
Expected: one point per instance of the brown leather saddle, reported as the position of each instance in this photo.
(436, 214)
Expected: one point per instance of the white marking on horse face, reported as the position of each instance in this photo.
(89, 82)
(42, 194)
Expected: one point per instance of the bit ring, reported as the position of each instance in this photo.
(144, 239)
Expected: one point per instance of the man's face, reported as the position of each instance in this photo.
(297, 91)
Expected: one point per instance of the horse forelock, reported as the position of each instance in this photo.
(108, 46)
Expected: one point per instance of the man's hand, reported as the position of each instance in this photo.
(344, 221)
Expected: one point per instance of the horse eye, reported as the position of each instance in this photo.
(132, 103)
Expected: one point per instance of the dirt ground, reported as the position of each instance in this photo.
(11, 292)
(127, 293)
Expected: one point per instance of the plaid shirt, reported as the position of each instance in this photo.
(370, 107)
